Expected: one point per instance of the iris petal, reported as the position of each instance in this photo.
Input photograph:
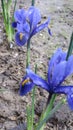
(37, 80)
(49, 31)
(20, 15)
(14, 24)
(24, 28)
(69, 67)
(27, 22)
(19, 27)
(58, 73)
(62, 71)
(70, 101)
(58, 57)
(63, 89)
(41, 27)
(68, 90)
(26, 88)
(34, 16)
(20, 41)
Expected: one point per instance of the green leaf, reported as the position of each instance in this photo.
(33, 2)
(33, 101)
(3, 9)
(14, 10)
(29, 118)
(46, 112)
(70, 47)
(6, 7)
(50, 114)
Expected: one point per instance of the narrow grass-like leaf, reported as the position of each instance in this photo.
(47, 111)
(33, 2)
(70, 47)
(3, 10)
(29, 118)
(14, 10)
(50, 114)
(6, 7)
(33, 101)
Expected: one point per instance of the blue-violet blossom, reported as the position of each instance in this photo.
(58, 70)
(27, 24)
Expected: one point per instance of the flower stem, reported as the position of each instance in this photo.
(49, 98)
(43, 121)
(48, 109)
(28, 54)
(33, 101)
(33, 2)
(28, 43)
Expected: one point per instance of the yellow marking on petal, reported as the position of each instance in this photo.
(21, 36)
(25, 81)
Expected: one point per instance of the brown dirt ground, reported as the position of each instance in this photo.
(13, 61)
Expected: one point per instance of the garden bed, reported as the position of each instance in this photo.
(13, 62)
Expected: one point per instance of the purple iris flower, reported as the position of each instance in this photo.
(25, 86)
(27, 24)
(58, 71)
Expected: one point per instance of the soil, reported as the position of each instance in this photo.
(13, 62)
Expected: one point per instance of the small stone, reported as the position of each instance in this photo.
(13, 118)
